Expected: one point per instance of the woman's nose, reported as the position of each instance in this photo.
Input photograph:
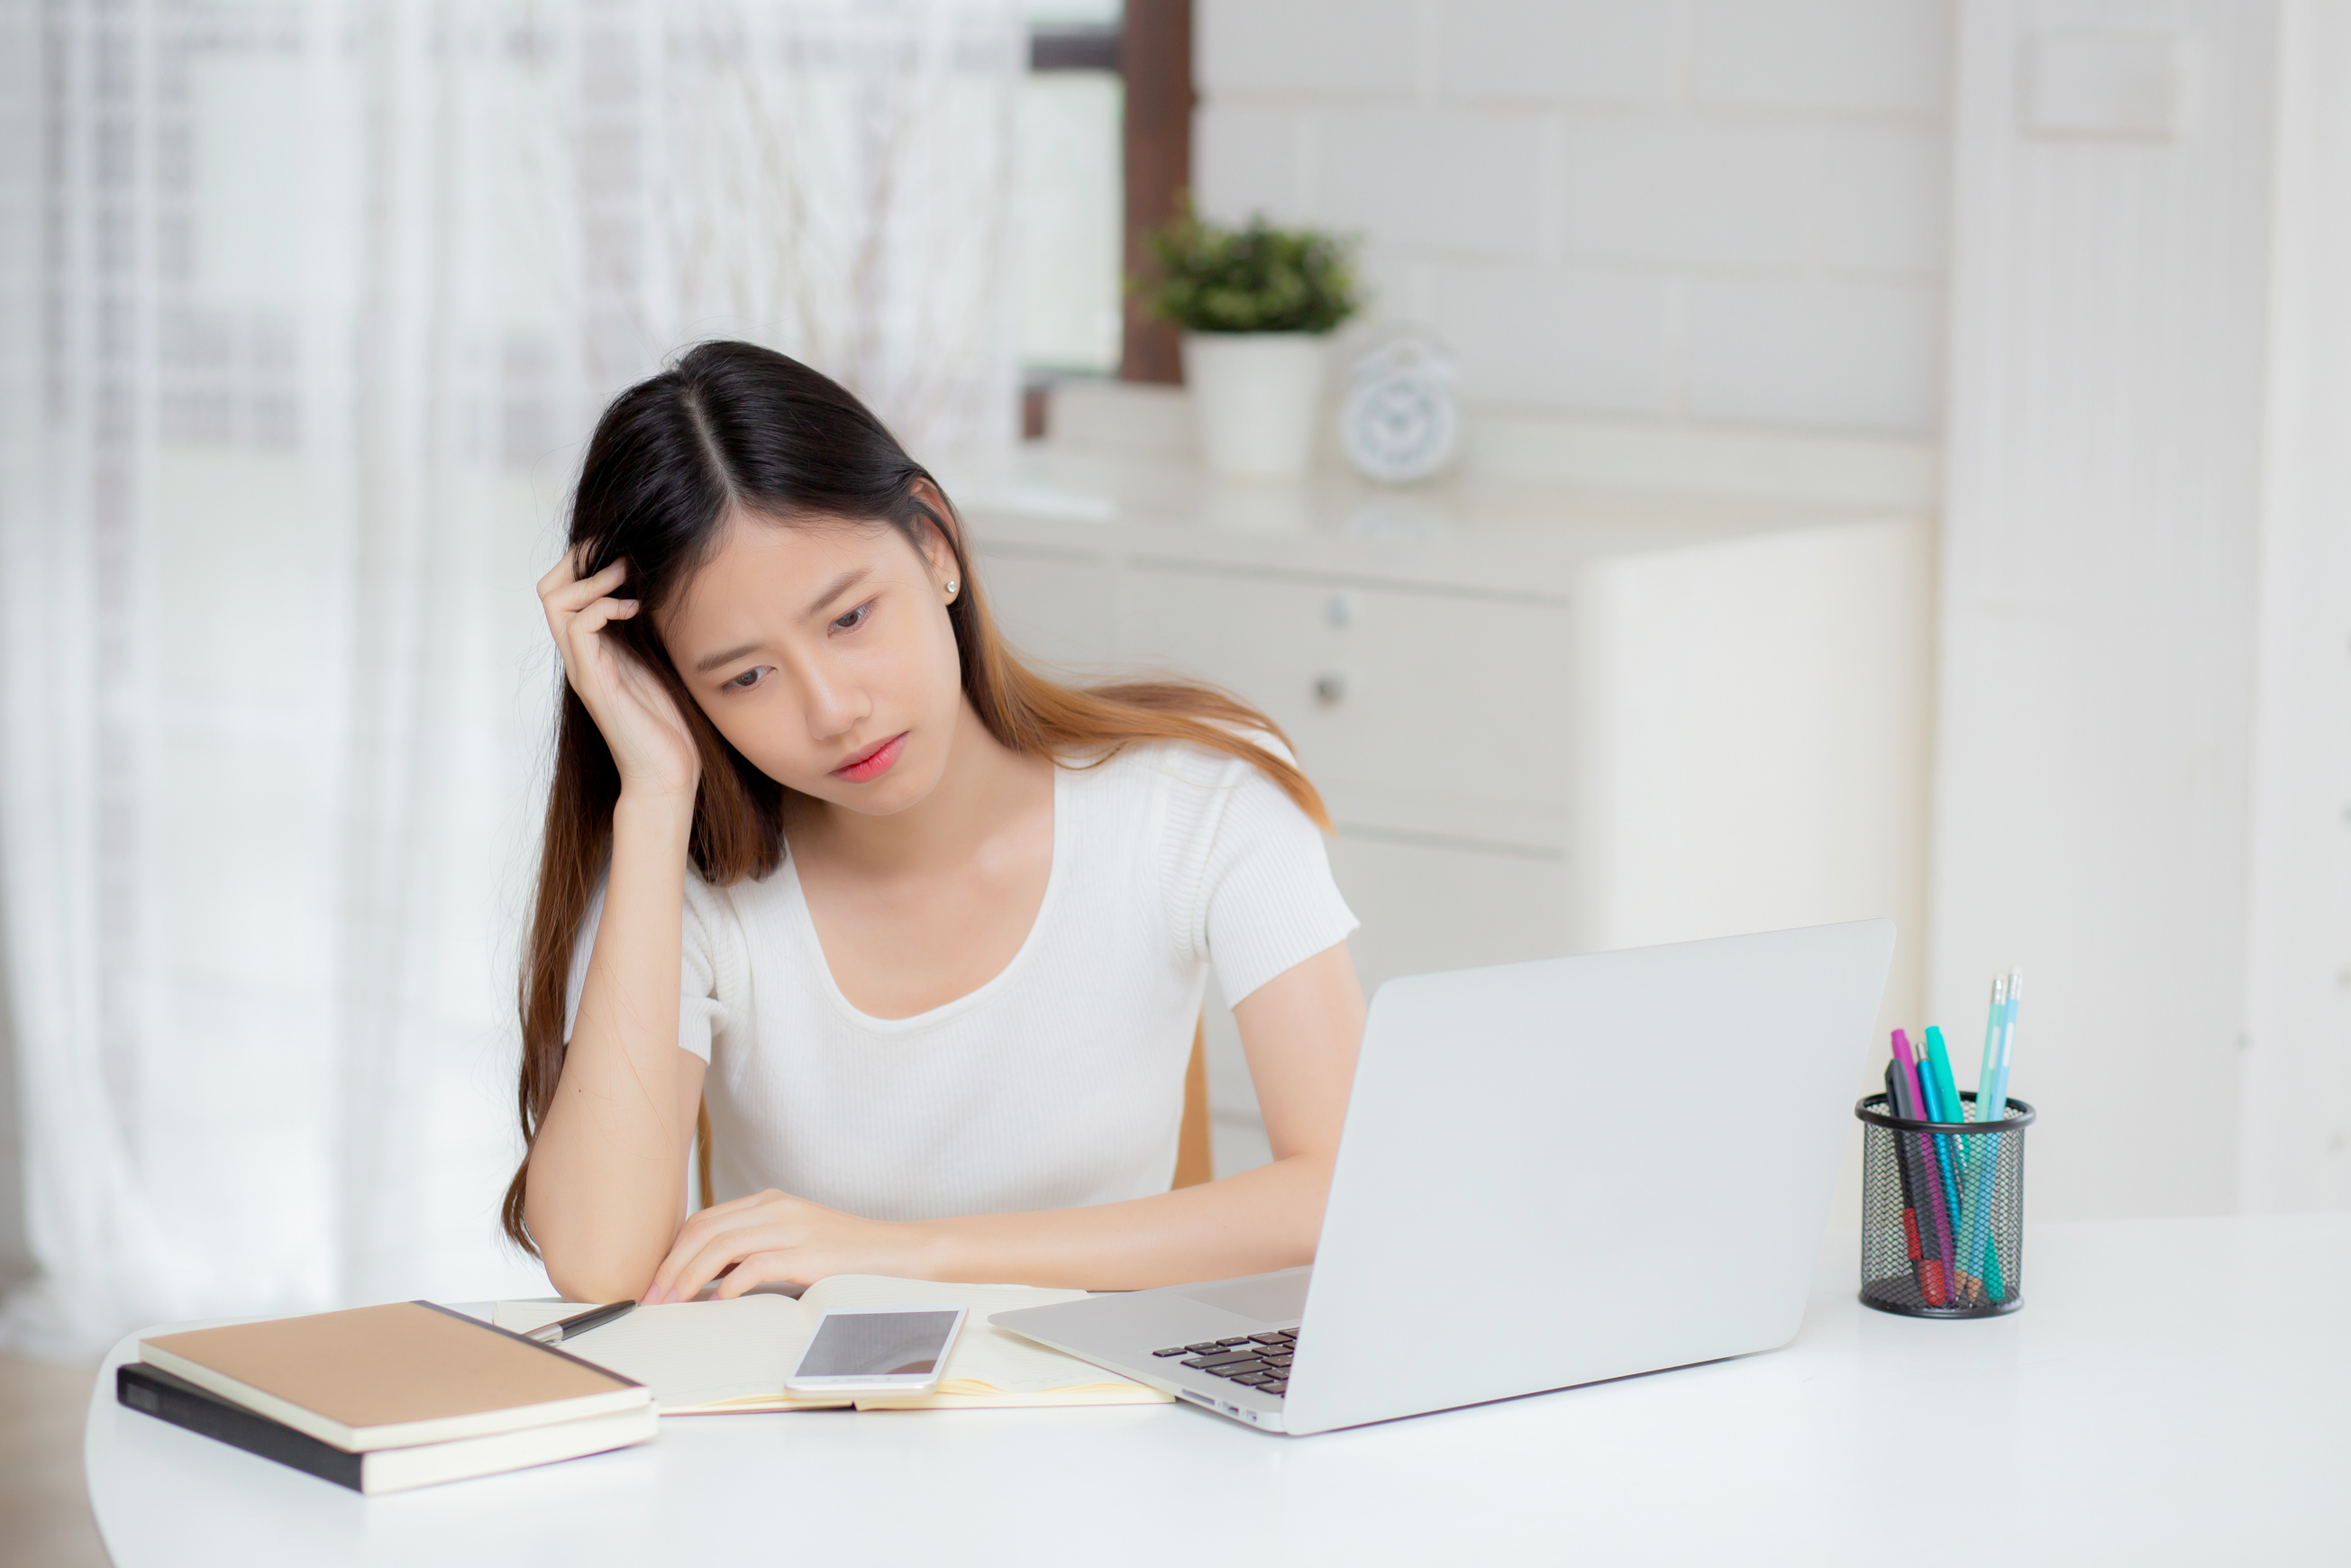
(834, 709)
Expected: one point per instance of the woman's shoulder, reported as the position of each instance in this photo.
(1187, 765)
(1189, 795)
(1239, 866)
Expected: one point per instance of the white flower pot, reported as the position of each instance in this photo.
(1255, 396)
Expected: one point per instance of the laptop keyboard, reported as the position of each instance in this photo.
(1258, 1361)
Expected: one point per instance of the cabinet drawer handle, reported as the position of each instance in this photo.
(1330, 690)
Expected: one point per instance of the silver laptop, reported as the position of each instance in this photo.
(1550, 1174)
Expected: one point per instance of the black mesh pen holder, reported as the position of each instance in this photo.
(1942, 1212)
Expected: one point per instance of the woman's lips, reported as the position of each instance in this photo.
(875, 763)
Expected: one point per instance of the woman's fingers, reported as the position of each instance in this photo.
(650, 740)
(565, 568)
(591, 617)
(563, 597)
(767, 1237)
(560, 591)
(594, 669)
(664, 1286)
(773, 1226)
(712, 1258)
(750, 1273)
(697, 1229)
(705, 1244)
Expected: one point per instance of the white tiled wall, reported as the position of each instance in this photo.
(1702, 210)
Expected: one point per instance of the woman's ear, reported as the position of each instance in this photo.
(938, 540)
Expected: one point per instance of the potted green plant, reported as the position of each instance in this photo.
(1257, 306)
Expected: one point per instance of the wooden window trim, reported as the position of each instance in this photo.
(1151, 49)
(1154, 55)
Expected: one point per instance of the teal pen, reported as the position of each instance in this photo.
(1992, 1047)
(1977, 1180)
(1974, 1276)
(1935, 1088)
(1935, 1067)
(1947, 1088)
(1992, 1105)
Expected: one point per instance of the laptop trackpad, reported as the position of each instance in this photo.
(1269, 1298)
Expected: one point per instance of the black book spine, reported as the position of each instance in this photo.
(175, 1399)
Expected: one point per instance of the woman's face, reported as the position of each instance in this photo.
(823, 652)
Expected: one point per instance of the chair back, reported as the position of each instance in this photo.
(1195, 1159)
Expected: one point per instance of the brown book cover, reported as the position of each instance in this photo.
(392, 1376)
(182, 1403)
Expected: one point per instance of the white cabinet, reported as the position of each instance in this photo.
(1544, 723)
(1411, 707)
(1057, 605)
(1440, 905)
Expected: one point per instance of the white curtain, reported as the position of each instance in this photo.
(307, 309)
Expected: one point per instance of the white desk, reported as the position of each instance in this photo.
(2115, 1424)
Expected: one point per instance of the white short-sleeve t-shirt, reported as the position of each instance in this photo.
(1057, 1083)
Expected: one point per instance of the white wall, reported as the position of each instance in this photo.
(1682, 217)
(1686, 210)
(2296, 1141)
(2099, 573)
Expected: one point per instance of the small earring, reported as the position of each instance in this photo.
(952, 585)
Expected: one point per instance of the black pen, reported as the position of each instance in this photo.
(573, 1327)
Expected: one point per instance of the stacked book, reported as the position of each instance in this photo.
(384, 1398)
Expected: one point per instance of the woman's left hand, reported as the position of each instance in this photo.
(773, 1238)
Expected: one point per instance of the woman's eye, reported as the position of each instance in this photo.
(748, 679)
(855, 619)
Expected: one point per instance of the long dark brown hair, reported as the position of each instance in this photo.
(729, 427)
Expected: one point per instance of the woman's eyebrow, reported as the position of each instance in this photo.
(709, 662)
(832, 590)
(837, 586)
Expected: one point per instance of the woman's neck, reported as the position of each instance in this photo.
(986, 790)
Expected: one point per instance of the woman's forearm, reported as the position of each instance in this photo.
(1300, 1030)
(607, 1183)
(1251, 1223)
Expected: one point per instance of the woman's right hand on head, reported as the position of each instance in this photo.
(650, 742)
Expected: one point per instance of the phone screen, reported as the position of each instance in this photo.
(877, 1344)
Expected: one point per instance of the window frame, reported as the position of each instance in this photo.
(1151, 49)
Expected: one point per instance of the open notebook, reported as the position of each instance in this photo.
(708, 1358)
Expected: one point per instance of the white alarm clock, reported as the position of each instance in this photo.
(1401, 420)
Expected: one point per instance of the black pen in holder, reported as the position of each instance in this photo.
(1942, 1212)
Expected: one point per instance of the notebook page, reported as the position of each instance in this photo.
(521, 1317)
(986, 1359)
(687, 1353)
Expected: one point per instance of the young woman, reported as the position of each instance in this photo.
(926, 930)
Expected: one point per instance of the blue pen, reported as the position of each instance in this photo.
(2007, 1046)
(1998, 1108)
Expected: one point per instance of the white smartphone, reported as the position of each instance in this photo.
(877, 1350)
